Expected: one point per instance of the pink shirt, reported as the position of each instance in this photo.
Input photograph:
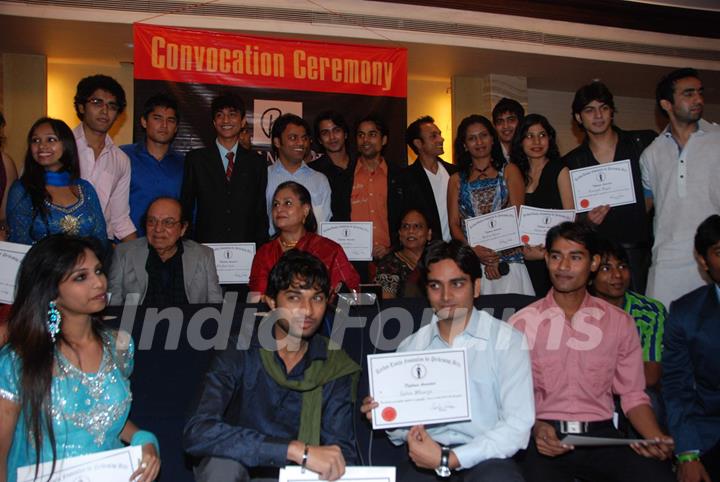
(110, 176)
(577, 365)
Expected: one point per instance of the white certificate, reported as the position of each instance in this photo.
(356, 474)
(610, 183)
(585, 441)
(419, 388)
(233, 261)
(535, 223)
(497, 230)
(11, 255)
(356, 238)
(109, 466)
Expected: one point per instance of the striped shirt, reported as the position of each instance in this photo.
(649, 315)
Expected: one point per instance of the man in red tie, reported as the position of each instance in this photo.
(224, 184)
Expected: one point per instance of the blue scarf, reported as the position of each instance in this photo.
(57, 178)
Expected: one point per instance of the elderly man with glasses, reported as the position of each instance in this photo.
(162, 268)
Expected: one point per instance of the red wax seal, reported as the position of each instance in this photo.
(525, 239)
(389, 414)
(584, 203)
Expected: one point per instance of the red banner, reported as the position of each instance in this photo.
(206, 57)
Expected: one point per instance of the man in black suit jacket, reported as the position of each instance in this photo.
(224, 184)
(422, 193)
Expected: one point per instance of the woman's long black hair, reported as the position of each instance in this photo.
(48, 263)
(462, 156)
(33, 176)
(517, 153)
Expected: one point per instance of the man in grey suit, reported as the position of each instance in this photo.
(162, 268)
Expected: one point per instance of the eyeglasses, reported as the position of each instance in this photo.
(166, 223)
(99, 103)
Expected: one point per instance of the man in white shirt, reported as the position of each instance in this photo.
(425, 182)
(99, 100)
(501, 390)
(680, 176)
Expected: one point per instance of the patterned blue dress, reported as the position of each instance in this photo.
(89, 410)
(84, 218)
(484, 196)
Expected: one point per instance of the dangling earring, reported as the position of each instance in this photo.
(54, 320)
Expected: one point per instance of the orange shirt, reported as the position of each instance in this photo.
(368, 200)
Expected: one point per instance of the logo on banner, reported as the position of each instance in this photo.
(265, 112)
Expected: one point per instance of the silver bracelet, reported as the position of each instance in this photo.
(305, 458)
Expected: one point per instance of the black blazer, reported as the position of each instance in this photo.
(691, 370)
(225, 212)
(419, 194)
(341, 182)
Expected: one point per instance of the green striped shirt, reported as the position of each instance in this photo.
(649, 316)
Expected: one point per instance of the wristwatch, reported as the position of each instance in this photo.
(443, 470)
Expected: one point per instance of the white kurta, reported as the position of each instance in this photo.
(684, 184)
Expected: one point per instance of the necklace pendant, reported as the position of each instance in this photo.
(70, 225)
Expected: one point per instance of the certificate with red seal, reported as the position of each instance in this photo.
(610, 183)
(534, 223)
(419, 388)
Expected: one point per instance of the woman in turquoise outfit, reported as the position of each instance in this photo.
(64, 388)
(486, 183)
(50, 197)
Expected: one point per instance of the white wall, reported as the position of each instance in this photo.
(431, 97)
(24, 99)
(62, 79)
